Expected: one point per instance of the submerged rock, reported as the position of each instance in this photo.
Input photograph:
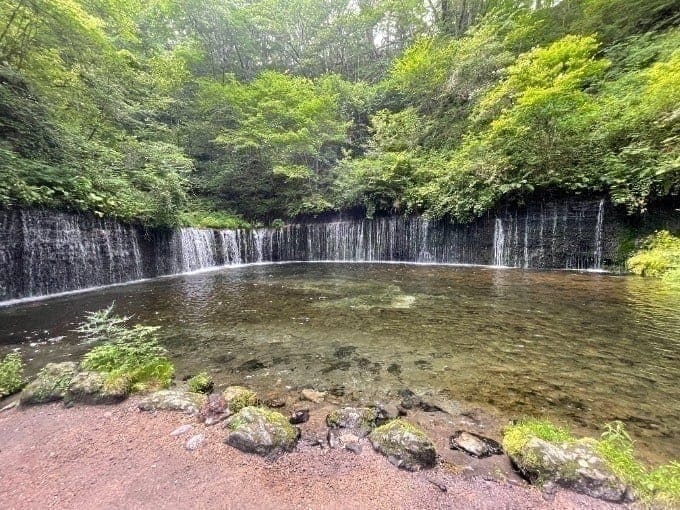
(50, 385)
(358, 420)
(260, 431)
(96, 388)
(299, 416)
(238, 397)
(313, 396)
(474, 444)
(173, 400)
(404, 445)
(574, 466)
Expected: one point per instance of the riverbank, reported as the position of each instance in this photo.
(119, 457)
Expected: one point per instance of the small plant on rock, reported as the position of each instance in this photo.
(130, 356)
(11, 374)
(201, 383)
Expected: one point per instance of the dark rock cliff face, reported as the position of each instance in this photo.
(46, 252)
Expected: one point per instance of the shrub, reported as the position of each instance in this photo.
(11, 374)
(659, 257)
(130, 356)
(201, 383)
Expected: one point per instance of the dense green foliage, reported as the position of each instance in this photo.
(130, 357)
(11, 374)
(659, 256)
(220, 112)
(661, 484)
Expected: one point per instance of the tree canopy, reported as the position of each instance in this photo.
(168, 112)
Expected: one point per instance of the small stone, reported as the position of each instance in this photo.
(474, 444)
(354, 448)
(341, 439)
(181, 430)
(194, 442)
(213, 410)
(313, 396)
(437, 483)
(299, 416)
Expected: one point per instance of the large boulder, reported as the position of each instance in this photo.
(575, 466)
(238, 397)
(173, 400)
(95, 388)
(404, 445)
(50, 385)
(260, 431)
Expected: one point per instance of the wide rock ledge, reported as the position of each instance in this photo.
(173, 400)
(404, 445)
(263, 432)
(575, 466)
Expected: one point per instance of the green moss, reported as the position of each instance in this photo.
(616, 449)
(517, 435)
(398, 426)
(201, 383)
(659, 257)
(242, 399)
(11, 374)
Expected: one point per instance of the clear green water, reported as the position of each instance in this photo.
(581, 348)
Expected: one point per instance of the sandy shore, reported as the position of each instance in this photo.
(119, 457)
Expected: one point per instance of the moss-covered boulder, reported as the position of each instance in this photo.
(173, 400)
(359, 420)
(261, 431)
(238, 397)
(405, 445)
(96, 388)
(572, 465)
(50, 385)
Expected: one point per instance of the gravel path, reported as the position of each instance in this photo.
(118, 457)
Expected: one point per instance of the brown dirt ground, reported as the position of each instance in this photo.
(119, 457)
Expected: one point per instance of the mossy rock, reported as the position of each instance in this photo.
(238, 397)
(405, 445)
(572, 465)
(50, 385)
(359, 420)
(261, 431)
(96, 388)
(173, 400)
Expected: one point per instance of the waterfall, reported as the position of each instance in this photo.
(498, 243)
(198, 249)
(597, 264)
(46, 252)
